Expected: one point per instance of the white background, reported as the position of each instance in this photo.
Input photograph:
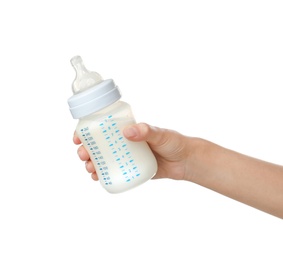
(211, 69)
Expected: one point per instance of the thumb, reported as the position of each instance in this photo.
(144, 132)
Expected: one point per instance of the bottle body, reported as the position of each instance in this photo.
(119, 163)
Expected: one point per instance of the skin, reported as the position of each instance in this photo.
(251, 181)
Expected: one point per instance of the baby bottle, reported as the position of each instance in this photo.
(120, 164)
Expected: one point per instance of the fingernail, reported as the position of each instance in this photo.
(130, 132)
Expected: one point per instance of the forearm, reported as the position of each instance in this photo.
(245, 179)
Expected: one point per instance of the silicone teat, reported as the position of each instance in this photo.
(84, 79)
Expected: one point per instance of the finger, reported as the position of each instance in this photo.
(94, 176)
(76, 139)
(83, 154)
(89, 166)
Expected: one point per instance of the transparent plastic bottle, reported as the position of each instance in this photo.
(119, 163)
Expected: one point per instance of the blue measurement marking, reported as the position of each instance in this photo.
(122, 156)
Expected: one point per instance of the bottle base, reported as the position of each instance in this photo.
(115, 189)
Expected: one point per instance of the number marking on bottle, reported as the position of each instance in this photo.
(96, 154)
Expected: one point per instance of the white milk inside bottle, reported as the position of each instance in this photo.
(119, 163)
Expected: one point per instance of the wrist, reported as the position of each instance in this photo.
(196, 149)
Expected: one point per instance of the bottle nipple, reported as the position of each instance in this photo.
(84, 78)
